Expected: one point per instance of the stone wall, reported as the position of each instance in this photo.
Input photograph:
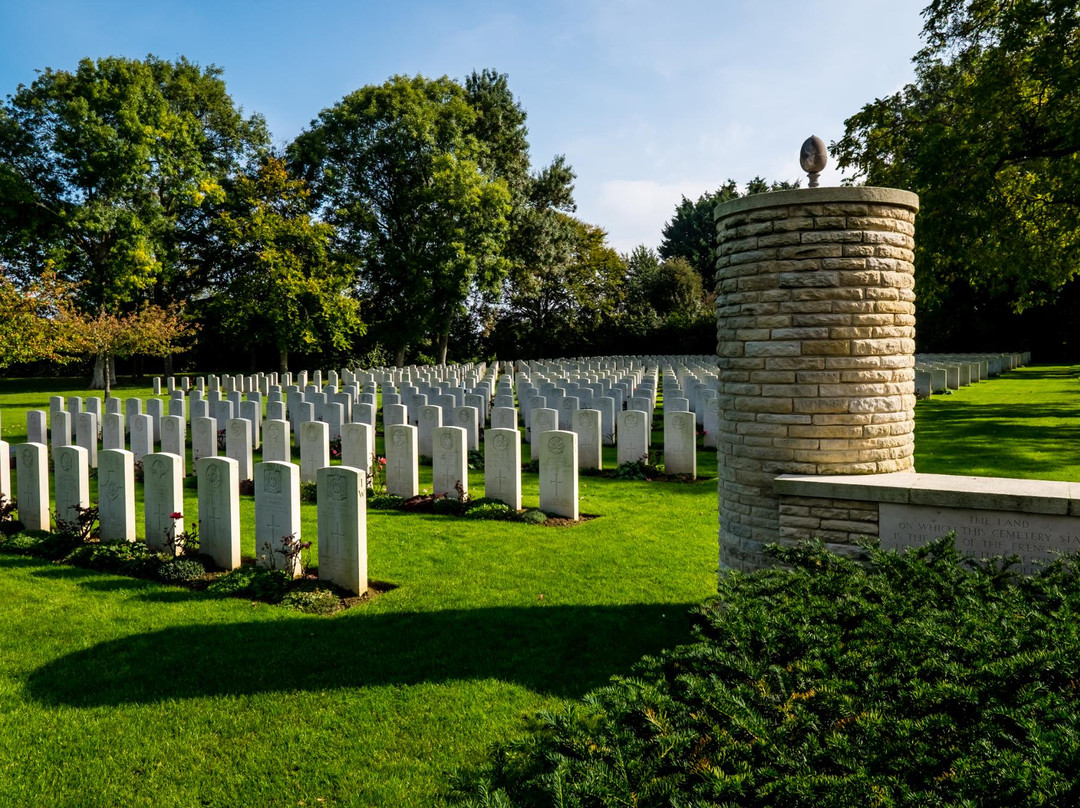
(815, 344)
(1035, 520)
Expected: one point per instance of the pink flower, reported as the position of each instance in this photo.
(382, 461)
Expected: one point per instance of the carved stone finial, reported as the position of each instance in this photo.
(812, 157)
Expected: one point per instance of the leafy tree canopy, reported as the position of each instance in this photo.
(988, 135)
(691, 233)
(399, 171)
(279, 281)
(104, 170)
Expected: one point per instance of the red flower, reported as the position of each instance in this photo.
(176, 515)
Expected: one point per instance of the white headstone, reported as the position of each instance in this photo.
(32, 485)
(606, 405)
(155, 408)
(633, 432)
(402, 467)
(342, 520)
(61, 428)
(314, 450)
(36, 428)
(142, 436)
(358, 446)
(71, 482)
(251, 411)
(277, 514)
(174, 439)
(503, 418)
(112, 431)
(502, 466)
(449, 464)
(544, 419)
(680, 447)
(116, 493)
(559, 474)
(586, 425)
(164, 497)
(468, 418)
(204, 442)
(430, 418)
(219, 510)
(238, 446)
(277, 441)
(86, 436)
(5, 471)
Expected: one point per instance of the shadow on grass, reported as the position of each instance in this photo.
(957, 437)
(558, 650)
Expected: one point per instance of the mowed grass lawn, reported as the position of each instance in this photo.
(1025, 423)
(116, 691)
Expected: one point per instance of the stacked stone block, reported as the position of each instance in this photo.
(816, 343)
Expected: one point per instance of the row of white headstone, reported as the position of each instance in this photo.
(341, 506)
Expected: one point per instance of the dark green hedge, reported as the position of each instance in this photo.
(920, 679)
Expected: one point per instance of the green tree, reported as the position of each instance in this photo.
(396, 168)
(31, 322)
(691, 233)
(988, 135)
(558, 305)
(109, 175)
(280, 284)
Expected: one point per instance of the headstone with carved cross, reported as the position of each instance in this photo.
(32, 485)
(277, 441)
(71, 482)
(502, 466)
(342, 520)
(402, 466)
(559, 473)
(219, 510)
(633, 436)
(587, 426)
(164, 501)
(238, 445)
(277, 515)
(680, 443)
(449, 463)
(358, 446)
(314, 449)
(116, 494)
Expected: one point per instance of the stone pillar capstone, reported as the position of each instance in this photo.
(816, 347)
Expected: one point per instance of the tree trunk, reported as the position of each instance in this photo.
(399, 357)
(283, 360)
(444, 341)
(167, 365)
(98, 377)
(107, 375)
(112, 370)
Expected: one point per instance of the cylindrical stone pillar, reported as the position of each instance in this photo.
(816, 342)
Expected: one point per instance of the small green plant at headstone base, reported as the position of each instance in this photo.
(314, 601)
(532, 516)
(257, 583)
(291, 553)
(920, 678)
(309, 491)
(82, 528)
(181, 569)
(487, 508)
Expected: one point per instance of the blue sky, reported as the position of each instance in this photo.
(647, 100)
